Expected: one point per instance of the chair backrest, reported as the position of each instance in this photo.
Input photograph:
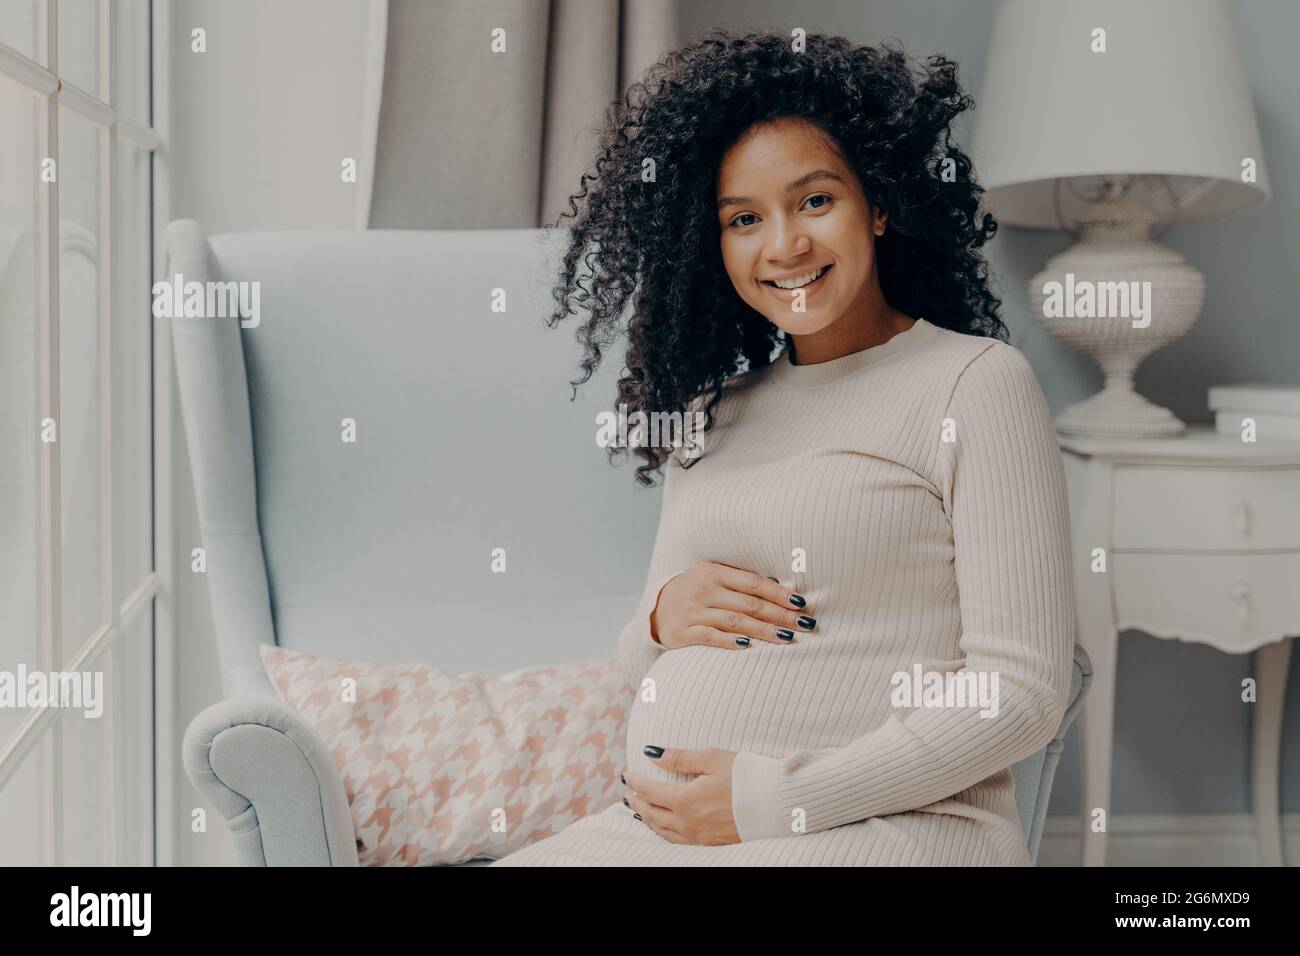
(410, 415)
(396, 414)
(1034, 774)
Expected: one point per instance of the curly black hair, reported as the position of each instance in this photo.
(657, 244)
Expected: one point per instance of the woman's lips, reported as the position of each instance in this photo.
(787, 295)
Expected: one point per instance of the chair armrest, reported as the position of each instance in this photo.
(269, 775)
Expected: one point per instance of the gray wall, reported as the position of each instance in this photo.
(1182, 735)
(261, 122)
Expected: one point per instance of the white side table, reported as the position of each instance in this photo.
(1201, 535)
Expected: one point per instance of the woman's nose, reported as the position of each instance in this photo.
(787, 245)
(787, 240)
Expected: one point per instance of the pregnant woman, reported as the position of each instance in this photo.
(858, 614)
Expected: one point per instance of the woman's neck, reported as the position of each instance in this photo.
(844, 337)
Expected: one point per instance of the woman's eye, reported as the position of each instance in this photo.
(749, 215)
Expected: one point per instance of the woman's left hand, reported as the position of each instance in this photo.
(696, 812)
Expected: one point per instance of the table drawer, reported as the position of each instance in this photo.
(1205, 509)
(1234, 602)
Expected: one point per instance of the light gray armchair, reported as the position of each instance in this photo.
(359, 549)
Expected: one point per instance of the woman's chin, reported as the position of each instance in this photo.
(808, 323)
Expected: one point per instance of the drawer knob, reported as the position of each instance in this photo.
(1241, 511)
(1241, 596)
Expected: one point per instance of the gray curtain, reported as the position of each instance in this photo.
(473, 139)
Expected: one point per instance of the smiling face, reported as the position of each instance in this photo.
(789, 208)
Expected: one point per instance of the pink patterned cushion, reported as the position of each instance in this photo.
(441, 768)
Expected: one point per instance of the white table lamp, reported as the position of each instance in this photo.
(1104, 119)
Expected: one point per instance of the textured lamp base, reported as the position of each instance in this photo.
(1117, 411)
(1124, 297)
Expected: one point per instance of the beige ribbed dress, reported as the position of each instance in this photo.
(921, 482)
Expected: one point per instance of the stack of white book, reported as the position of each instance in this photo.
(1275, 410)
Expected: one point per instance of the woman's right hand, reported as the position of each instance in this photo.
(723, 606)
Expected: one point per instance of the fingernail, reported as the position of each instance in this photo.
(798, 601)
(637, 816)
(770, 578)
(626, 804)
(652, 751)
(808, 622)
(622, 779)
(742, 641)
(785, 634)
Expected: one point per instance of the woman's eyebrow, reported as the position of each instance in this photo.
(802, 181)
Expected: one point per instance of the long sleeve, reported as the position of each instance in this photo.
(1004, 491)
(637, 650)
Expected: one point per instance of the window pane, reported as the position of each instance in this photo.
(19, 425)
(79, 44)
(21, 801)
(79, 378)
(133, 740)
(131, 59)
(18, 19)
(88, 796)
(132, 458)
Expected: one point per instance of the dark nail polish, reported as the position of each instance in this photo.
(785, 634)
(622, 779)
(742, 641)
(636, 816)
(797, 600)
(626, 804)
(808, 622)
(652, 751)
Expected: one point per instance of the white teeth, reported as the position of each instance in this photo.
(799, 281)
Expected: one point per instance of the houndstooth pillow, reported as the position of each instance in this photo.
(441, 768)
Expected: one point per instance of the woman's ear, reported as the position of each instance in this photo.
(880, 221)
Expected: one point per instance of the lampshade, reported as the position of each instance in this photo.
(1167, 98)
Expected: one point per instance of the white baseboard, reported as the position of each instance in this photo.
(1211, 839)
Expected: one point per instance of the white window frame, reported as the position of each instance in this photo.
(42, 729)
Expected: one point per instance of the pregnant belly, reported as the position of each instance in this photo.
(767, 699)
